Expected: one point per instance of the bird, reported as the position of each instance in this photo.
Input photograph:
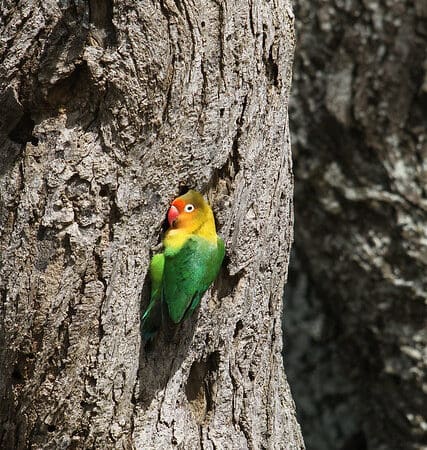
(190, 262)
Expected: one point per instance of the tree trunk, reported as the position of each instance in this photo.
(359, 122)
(108, 110)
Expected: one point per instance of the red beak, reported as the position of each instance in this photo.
(173, 214)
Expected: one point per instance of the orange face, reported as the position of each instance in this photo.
(181, 213)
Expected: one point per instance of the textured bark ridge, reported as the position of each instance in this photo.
(359, 118)
(108, 109)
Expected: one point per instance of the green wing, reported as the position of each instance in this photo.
(152, 317)
(156, 274)
(188, 273)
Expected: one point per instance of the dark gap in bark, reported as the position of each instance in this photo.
(193, 388)
(199, 386)
(237, 328)
(101, 13)
(23, 131)
(221, 27)
(235, 157)
(104, 191)
(64, 333)
(179, 6)
(204, 86)
(145, 301)
(68, 38)
(3, 295)
(183, 189)
(212, 363)
(68, 251)
(226, 283)
(228, 171)
(87, 407)
(235, 154)
(9, 155)
(24, 367)
(11, 110)
(77, 187)
(165, 226)
(43, 233)
(71, 92)
(99, 271)
(113, 217)
(271, 68)
(264, 35)
(17, 377)
(251, 20)
(244, 427)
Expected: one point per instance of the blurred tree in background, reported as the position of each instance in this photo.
(355, 312)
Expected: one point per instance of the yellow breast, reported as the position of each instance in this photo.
(176, 238)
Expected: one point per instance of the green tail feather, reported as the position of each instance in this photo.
(151, 319)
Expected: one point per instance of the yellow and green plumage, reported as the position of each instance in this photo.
(192, 256)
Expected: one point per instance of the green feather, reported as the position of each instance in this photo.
(188, 273)
(179, 278)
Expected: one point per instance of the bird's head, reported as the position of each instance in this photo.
(189, 212)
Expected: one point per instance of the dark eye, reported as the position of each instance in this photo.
(189, 208)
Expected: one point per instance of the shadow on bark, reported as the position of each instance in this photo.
(161, 358)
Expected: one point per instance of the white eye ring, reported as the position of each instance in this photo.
(189, 208)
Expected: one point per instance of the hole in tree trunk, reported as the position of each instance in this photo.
(23, 131)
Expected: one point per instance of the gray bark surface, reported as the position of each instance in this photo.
(107, 110)
(359, 118)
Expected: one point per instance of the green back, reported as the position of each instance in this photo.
(188, 273)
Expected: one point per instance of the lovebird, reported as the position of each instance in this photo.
(190, 262)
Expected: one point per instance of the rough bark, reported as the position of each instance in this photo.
(360, 135)
(108, 109)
